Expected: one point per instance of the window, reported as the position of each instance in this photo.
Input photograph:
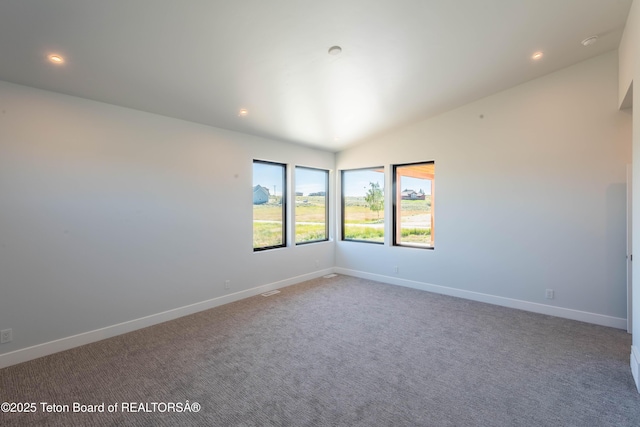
(311, 208)
(363, 205)
(413, 204)
(269, 205)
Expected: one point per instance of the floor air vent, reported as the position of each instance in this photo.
(268, 294)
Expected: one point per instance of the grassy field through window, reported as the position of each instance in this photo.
(269, 205)
(361, 223)
(363, 205)
(267, 224)
(415, 226)
(311, 205)
(311, 218)
(413, 206)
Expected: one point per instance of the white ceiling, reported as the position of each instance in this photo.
(204, 60)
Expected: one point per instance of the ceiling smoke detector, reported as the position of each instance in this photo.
(589, 41)
(335, 50)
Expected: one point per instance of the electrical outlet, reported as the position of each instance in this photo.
(395, 269)
(317, 263)
(227, 284)
(548, 294)
(6, 335)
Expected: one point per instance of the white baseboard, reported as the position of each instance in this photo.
(635, 365)
(566, 313)
(45, 349)
(40, 350)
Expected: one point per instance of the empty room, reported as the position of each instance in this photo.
(297, 213)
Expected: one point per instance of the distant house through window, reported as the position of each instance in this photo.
(413, 205)
(311, 206)
(363, 205)
(269, 205)
(260, 195)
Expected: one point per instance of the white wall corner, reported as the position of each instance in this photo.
(635, 365)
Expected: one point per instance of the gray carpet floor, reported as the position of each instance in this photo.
(340, 352)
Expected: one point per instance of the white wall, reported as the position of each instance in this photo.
(108, 215)
(628, 57)
(630, 72)
(529, 197)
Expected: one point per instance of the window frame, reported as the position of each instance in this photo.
(396, 203)
(342, 204)
(326, 206)
(284, 206)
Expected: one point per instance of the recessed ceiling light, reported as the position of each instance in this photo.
(589, 41)
(536, 56)
(55, 58)
(335, 50)
(243, 112)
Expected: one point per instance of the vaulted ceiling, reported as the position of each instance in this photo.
(205, 60)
